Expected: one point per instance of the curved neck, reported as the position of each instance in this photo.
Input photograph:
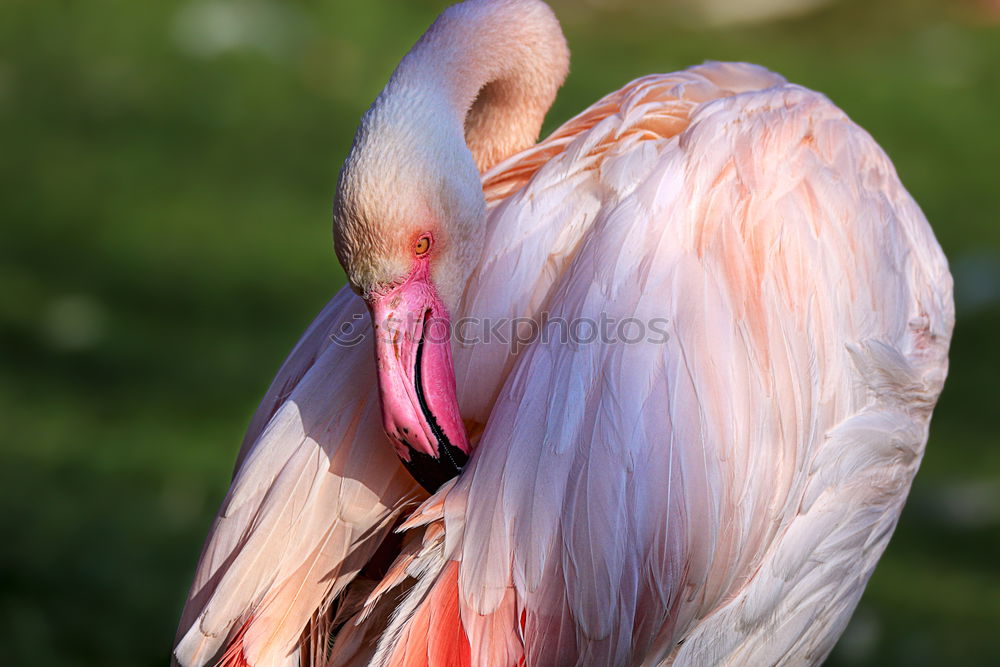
(497, 64)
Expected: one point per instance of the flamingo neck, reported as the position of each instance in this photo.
(492, 67)
(473, 91)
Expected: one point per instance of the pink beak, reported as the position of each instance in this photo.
(416, 379)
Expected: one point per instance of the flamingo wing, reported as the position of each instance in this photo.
(315, 491)
(719, 489)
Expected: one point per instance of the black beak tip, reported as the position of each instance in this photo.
(431, 472)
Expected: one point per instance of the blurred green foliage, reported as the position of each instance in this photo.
(166, 171)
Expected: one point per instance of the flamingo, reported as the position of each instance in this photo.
(716, 492)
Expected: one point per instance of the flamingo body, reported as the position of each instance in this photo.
(716, 492)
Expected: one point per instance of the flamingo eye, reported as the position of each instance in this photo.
(422, 245)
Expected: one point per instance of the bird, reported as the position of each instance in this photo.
(650, 391)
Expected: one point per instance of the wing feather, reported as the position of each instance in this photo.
(719, 495)
(314, 492)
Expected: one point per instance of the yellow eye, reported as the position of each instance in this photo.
(423, 245)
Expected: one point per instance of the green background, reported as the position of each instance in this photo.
(166, 173)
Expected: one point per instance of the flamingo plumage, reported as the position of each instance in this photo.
(717, 491)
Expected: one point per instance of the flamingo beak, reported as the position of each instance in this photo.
(416, 379)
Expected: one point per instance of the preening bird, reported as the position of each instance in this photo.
(739, 323)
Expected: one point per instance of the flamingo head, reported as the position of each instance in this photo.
(408, 227)
(410, 216)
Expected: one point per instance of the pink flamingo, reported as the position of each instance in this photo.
(718, 494)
